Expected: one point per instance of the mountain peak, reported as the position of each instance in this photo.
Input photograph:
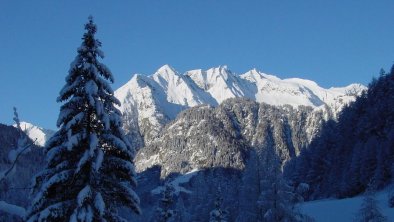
(36, 133)
(220, 69)
(166, 74)
(166, 69)
(254, 73)
(223, 67)
(255, 70)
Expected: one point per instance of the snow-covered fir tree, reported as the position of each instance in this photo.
(89, 172)
(165, 213)
(218, 214)
(277, 198)
(369, 211)
(16, 119)
(22, 143)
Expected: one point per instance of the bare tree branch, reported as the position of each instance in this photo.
(16, 159)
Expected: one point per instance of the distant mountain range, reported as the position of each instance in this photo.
(149, 102)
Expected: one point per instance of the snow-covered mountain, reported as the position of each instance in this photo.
(36, 132)
(152, 101)
(224, 136)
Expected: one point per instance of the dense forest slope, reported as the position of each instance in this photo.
(355, 153)
(15, 188)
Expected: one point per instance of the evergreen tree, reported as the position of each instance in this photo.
(369, 211)
(352, 185)
(21, 143)
(16, 120)
(382, 73)
(276, 200)
(89, 172)
(218, 214)
(165, 211)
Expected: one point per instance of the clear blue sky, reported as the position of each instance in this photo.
(334, 43)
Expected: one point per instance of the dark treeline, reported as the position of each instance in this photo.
(354, 153)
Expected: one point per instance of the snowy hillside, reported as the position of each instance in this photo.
(158, 98)
(36, 132)
(328, 210)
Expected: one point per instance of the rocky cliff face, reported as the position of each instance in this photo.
(226, 136)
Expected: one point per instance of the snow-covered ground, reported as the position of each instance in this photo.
(333, 210)
(12, 209)
(177, 182)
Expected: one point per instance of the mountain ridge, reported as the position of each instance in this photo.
(151, 101)
(36, 133)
